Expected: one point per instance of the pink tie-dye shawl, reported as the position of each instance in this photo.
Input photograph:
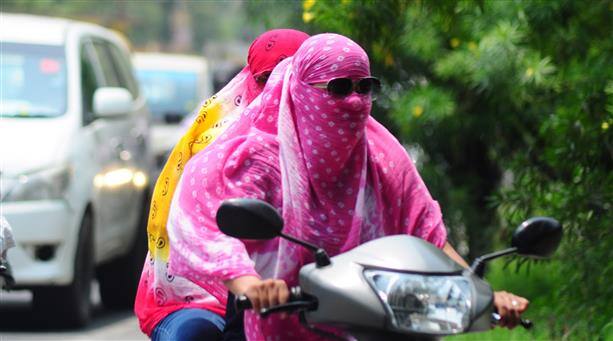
(338, 177)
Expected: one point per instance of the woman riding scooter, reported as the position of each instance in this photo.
(311, 149)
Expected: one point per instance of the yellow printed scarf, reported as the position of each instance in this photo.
(214, 116)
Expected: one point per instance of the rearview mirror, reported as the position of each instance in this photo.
(249, 219)
(537, 237)
(111, 101)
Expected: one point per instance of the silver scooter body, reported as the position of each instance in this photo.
(337, 292)
(347, 300)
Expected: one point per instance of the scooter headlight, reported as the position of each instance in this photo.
(423, 303)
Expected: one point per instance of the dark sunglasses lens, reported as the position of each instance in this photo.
(368, 85)
(340, 86)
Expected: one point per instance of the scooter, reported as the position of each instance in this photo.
(394, 287)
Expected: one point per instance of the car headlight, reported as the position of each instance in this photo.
(423, 303)
(43, 185)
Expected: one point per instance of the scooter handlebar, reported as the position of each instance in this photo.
(243, 302)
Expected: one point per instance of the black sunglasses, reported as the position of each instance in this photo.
(345, 86)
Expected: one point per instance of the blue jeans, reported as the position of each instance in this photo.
(189, 324)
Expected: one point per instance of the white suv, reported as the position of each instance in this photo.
(74, 163)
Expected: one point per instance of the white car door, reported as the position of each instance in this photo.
(138, 139)
(113, 197)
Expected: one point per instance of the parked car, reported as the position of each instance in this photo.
(174, 85)
(7, 241)
(75, 164)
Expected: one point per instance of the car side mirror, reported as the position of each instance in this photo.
(112, 101)
(537, 237)
(249, 219)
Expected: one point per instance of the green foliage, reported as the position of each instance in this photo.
(140, 21)
(149, 23)
(425, 103)
(511, 103)
(269, 14)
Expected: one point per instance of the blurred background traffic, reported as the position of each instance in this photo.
(505, 106)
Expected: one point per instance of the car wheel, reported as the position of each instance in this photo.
(119, 278)
(70, 305)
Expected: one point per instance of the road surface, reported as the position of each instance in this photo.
(16, 324)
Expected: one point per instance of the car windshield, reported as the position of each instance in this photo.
(169, 92)
(33, 80)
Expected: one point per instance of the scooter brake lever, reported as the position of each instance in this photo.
(527, 324)
(289, 307)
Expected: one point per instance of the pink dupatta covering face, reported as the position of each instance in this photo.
(338, 177)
